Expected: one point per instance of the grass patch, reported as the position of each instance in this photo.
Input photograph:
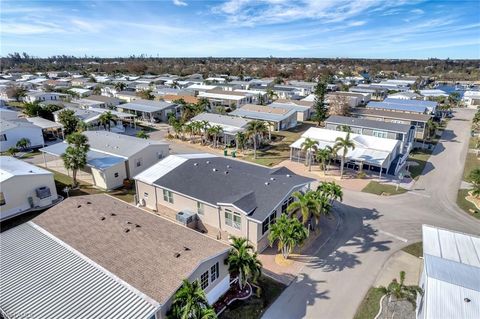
(378, 189)
(370, 305)
(19, 105)
(471, 162)
(255, 306)
(464, 204)
(421, 157)
(415, 249)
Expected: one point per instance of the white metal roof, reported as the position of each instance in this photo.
(452, 273)
(10, 166)
(45, 278)
(43, 123)
(166, 165)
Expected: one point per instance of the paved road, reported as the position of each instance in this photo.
(373, 228)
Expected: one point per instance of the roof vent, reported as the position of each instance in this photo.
(288, 175)
(466, 300)
(186, 248)
(195, 164)
(137, 226)
(214, 170)
(208, 162)
(129, 223)
(102, 218)
(126, 230)
(113, 214)
(176, 255)
(89, 203)
(226, 172)
(272, 178)
(267, 183)
(79, 206)
(228, 166)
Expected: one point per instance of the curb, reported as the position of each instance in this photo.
(244, 298)
(381, 307)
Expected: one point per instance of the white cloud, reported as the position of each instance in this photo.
(180, 3)
(417, 11)
(357, 23)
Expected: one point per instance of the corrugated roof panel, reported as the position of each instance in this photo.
(448, 245)
(466, 249)
(45, 278)
(431, 244)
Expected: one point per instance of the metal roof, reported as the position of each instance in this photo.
(391, 114)
(44, 123)
(146, 106)
(43, 277)
(430, 105)
(229, 124)
(10, 167)
(371, 124)
(263, 112)
(395, 106)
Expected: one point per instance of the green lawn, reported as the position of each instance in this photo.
(466, 205)
(420, 157)
(378, 189)
(415, 249)
(279, 151)
(471, 162)
(20, 105)
(255, 306)
(370, 305)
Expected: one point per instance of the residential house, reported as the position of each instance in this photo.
(353, 99)
(98, 101)
(450, 278)
(228, 197)
(91, 117)
(199, 88)
(112, 157)
(304, 109)
(231, 125)
(229, 100)
(433, 93)
(416, 119)
(405, 106)
(405, 133)
(376, 93)
(24, 187)
(370, 153)
(80, 92)
(99, 257)
(405, 96)
(151, 111)
(39, 96)
(14, 129)
(128, 96)
(278, 118)
(286, 92)
(472, 99)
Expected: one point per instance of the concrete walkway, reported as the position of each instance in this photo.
(400, 261)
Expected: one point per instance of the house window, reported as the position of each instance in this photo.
(204, 280)
(284, 206)
(233, 219)
(168, 196)
(145, 195)
(116, 175)
(200, 208)
(138, 162)
(270, 220)
(214, 272)
(2, 199)
(380, 134)
(3, 137)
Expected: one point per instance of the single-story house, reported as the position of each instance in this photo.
(370, 153)
(199, 88)
(406, 106)
(80, 92)
(286, 92)
(99, 101)
(405, 96)
(228, 197)
(40, 96)
(472, 99)
(24, 187)
(415, 119)
(405, 133)
(230, 125)
(12, 130)
(151, 111)
(353, 99)
(99, 257)
(376, 93)
(113, 157)
(279, 118)
(92, 115)
(304, 109)
(433, 93)
(127, 96)
(50, 129)
(171, 98)
(450, 278)
(230, 100)
(430, 105)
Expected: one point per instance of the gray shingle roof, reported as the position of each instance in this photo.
(146, 106)
(365, 123)
(254, 189)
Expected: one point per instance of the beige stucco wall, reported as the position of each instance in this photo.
(149, 156)
(106, 179)
(18, 189)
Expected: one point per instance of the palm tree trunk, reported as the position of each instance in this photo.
(342, 163)
(254, 147)
(240, 276)
(74, 177)
(310, 161)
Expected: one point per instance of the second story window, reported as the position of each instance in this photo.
(168, 196)
(233, 219)
(204, 280)
(214, 272)
(200, 208)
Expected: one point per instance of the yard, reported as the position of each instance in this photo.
(382, 189)
(279, 151)
(415, 249)
(421, 158)
(255, 306)
(467, 206)
(370, 305)
(471, 162)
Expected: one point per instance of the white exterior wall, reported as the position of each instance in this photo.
(106, 179)
(149, 156)
(34, 134)
(18, 189)
(43, 97)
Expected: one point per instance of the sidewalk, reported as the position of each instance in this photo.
(400, 261)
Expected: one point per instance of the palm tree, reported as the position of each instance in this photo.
(474, 178)
(271, 94)
(106, 118)
(23, 143)
(215, 131)
(307, 204)
(399, 291)
(255, 129)
(120, 86)
(322, 157)
(202, 129)
(242, 260)
(331, 190)
(431, 127)
(344, 144)
(75, 156)
(190, 302)
(82, 126)
(142, 134)
(12, 151)
(288, 232)
(309, 146)
(240, 140)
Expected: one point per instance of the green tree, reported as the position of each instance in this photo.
(12, 151)
(255, 130)
(474, 178)
(75, 156)
(288, 232)
(431, 128)
(331, 190)
(215, 131)
(307, 204)
(399, 291)
(323, 156)
(69, 121)
(142, 134)
(16, 92)
(344, 145)
(82, 126)
(272, 95)
(321, 111)
(190, 302)
(145, 94)
(106, 118)
(120, 86)
(309, 146)
(32, 109)
(23, 143)
(240, 140)
(242, 261)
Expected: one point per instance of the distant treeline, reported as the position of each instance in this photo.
(285, 68)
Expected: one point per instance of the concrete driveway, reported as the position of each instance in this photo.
(334, 283)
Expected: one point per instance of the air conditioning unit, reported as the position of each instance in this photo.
(43, 192)
(187, 218)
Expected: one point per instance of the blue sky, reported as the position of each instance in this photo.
(244, 28)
